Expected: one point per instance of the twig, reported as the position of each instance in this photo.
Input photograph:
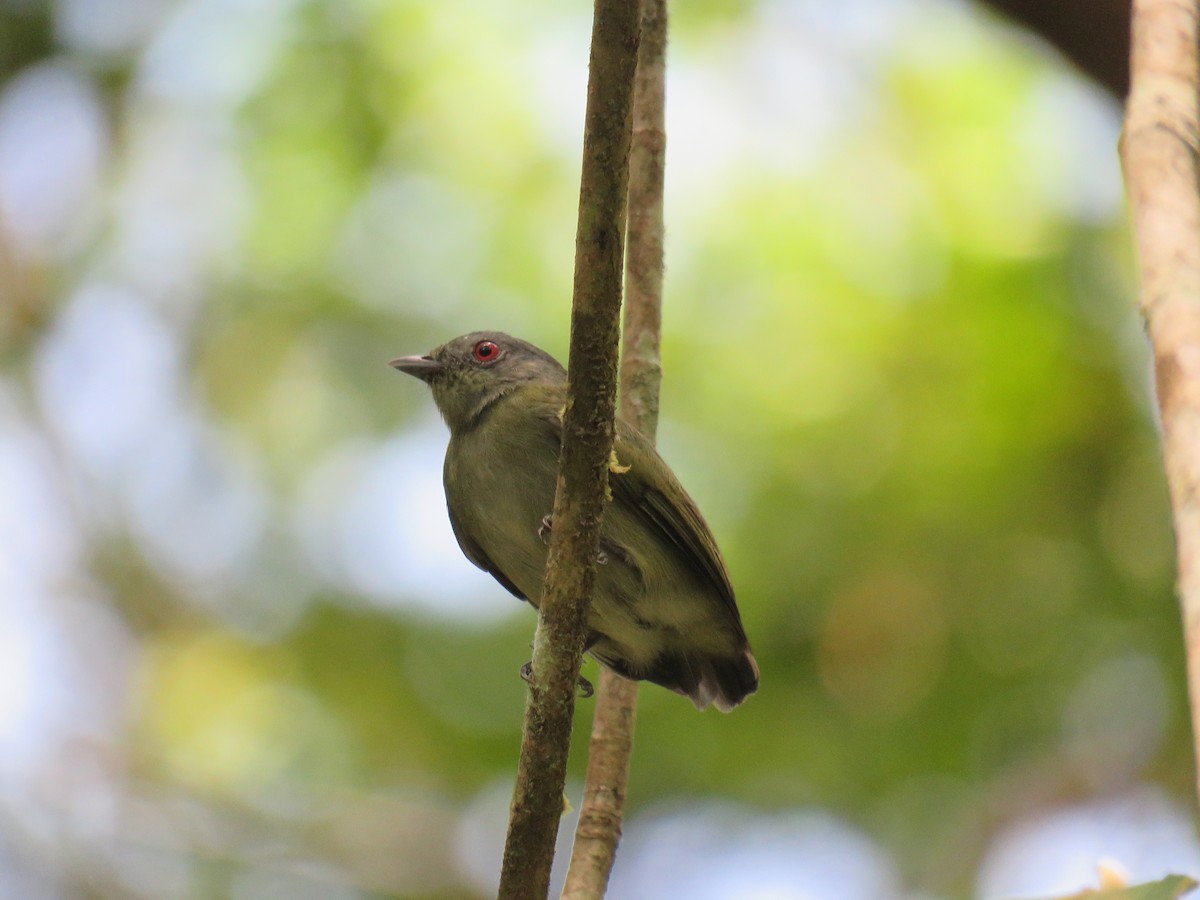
(583, 467)
(603, 807)
(1158, 153)
(641, 362)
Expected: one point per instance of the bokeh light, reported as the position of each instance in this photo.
(240, 652)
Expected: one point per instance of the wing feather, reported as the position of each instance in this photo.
(678, 520)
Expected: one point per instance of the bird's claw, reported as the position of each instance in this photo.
(581, 684)
(544, 530)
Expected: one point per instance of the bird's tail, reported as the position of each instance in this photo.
(723, 681)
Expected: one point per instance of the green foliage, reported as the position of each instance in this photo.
(903, 380)
(1170, 888)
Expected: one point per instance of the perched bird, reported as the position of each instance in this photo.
(662, 608)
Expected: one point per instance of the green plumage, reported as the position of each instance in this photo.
(663, 608)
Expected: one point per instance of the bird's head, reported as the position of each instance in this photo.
(470, 372)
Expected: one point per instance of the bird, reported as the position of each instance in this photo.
(663, 608)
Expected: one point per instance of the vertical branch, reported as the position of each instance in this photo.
(603, 807)
(583, 466)
(641, 362)
(1159, 156)
(24, 308)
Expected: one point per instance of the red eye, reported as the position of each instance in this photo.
(486, 351)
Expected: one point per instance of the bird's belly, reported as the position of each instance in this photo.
(509, 534)
(657, 616)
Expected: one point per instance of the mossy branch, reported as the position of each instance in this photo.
(603, 809)
(583, 466)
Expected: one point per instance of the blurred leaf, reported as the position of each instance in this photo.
(1170, 888)
(902, 378)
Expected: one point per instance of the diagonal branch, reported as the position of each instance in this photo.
(583, 467)
(603, 808)
(1159, 155)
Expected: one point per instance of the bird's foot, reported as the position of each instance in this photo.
(544, 530)
(581, 684)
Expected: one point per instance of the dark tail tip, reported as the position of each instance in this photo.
(729, 680)
(723, 681)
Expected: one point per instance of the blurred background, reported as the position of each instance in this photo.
(240, 654)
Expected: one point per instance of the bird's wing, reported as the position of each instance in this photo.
(680, 524)
(475, 554)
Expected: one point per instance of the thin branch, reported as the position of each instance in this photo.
(641, 361)
(1159, 155)
(24, 310)
(603, 809)
(583, 467)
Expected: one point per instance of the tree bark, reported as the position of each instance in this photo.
(603, 809)
(583, 466)
(1159, 156)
